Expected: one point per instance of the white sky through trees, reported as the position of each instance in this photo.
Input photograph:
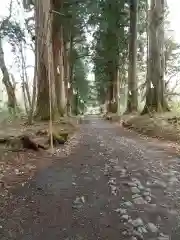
(174, 18)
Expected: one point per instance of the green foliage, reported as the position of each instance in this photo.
(110, 20)
(110, 45)
(12, 31)
(74, 17)
(80, 82)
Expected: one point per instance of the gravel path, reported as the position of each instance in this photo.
(114, 185)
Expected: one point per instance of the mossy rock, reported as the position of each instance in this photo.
(60, 138)
(64, 135)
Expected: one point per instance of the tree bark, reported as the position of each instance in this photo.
(62, 102)
(132, 101)
(34, 92)
(10, 88)
(59, 57)
(155, 97)
(44, 24)
(70, 77)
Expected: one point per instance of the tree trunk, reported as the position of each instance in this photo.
(10, 88)
(66, 68)
(132, 101)
(44, 25)
(34, 91)
(155, 98)
(70, 76)
(118, 92)
(59, 71)
(110, 97)
(62, 103)
(112, 86)
(33, 101)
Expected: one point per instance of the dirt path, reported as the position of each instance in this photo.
(113, 186)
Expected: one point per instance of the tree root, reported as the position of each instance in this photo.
(20, 143)
(59, 138)
(30, 144)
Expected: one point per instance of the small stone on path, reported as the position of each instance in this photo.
(139, 200)
(121, 210)
(142, 230)
(134, 238)
(163, 237)
(125, 217)
(152, 227)
(148, 198)
(135, 196)
(128, 204)
(137, 222)
(131, 184)
(138, 235)
(146, 194)
(135, 190)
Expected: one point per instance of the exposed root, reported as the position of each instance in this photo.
(60, 138)
(20, 143)
(30, 144)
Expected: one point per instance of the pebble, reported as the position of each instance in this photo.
(132, 184)
(138, 235)
(113, 188)
(142, 230)
(128, 204)
(112, 181)
(78, 202)
(148, 183)
(153, 205)
(135, 180)
(121, 210)
(124, 233)
(163, 237)
(146, 194)
(134, 238)
(125, 217)
(130, 220)
(152, 227)
(115, 161)
(135, 190)
(148, 198)
(139, 200)
(17, 171)
(135, 196)
(137, 222)
(140, 186)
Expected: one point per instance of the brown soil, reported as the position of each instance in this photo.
(19, 165)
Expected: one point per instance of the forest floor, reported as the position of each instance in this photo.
(165, 126)
(112, 184)
(18, 164)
